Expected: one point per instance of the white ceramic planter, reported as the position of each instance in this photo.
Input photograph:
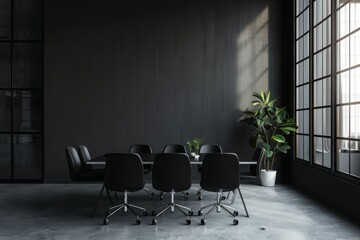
(267, 178)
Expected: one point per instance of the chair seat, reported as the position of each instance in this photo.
(91, 175)
(217, 189)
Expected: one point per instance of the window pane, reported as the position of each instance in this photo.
(27, 67)
(300, 121)
(318, 121)
(299, 73)
(5, 110)
(306, 20)
(5, 156)
(355, 85)
(355, 158)
(318, 93)
(326, 122)
(354, 15)
(317, 11)
(326, 8)
(306, 96)
(27, 19)
(306, 121)
(326, 32)
(343, 87)
(299, 6)
(306, 45)
(300, 146)
(27, 109)
(355, 48)
(300, 97)
(5, 64)
(318, 38)
(343, 127)
(327, 152)
(5, 19)
(355, 121)
(343, 19)
(326, 92)
(343, 54)
(306, 71)
(27, 156)
(300, 25)
(343, 156)
(326, 62)
(318, 156)
(306, 148)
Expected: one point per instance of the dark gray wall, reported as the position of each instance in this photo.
(118, 73)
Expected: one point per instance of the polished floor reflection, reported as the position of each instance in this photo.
(62, 211)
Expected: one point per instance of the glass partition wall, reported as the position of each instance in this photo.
(21, 90)
(327, 85)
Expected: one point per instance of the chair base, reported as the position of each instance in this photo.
(218, 205)
(172, 206)
(125, 205)
(242, 199)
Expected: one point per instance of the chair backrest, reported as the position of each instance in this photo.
(220, 171)
(171, 171)
(84, 156)
(140, 148)
(174, 148)
(210, 148)
(74, 162)
(124, 171)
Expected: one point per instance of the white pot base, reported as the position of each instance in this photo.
(268, 178)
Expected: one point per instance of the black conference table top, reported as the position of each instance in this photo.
(148, 159)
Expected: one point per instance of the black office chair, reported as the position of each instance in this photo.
(79, 174)
(143, 149)
(175, 148)
(220, 173)
(204, 149)
(124, 173)
(172, 173)
(84, 157)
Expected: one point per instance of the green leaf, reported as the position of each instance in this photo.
(254, 103)
(269, 153)
(291, 129)
(278, 138)
(266, 146)
(267, 98)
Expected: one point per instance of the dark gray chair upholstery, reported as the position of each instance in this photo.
(124, 173)
(142, 149)
(220, 173)
(174, 148)
(204, 149)
(79, 174)
(85, 156)
(172, 173)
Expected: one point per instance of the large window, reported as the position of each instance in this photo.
(327, 85)
(21, 90)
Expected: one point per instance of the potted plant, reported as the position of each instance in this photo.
(194, 145)
(270, 125)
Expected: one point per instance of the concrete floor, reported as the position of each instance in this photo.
(62, 211)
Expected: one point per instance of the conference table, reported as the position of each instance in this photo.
(148, 159)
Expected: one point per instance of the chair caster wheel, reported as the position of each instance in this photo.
(203, 221)
(154, 222)
(191, 213)
(223, 197)
(236, 222)
(153, 213)
(188, 222)
(107, 213)
(145, 213)
(198, 193)
(161, 197)
(200, 197)
(138, 221)
(200, 213)
(106, 221)
(236, 213)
